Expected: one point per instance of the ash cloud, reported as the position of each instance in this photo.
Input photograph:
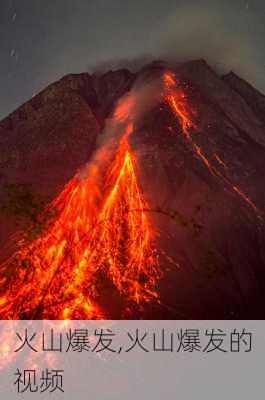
(54, 38)
(228, 36)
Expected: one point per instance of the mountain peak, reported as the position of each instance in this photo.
(192, 160)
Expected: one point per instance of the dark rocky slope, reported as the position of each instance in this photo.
(215, 236)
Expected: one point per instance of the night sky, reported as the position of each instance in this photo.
(42, 40)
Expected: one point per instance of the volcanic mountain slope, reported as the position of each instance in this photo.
(182, 189)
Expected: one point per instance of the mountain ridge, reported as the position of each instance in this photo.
(212, 217)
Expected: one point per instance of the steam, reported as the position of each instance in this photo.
(228, 37)
(99, 35)
(128, 111)
(223, 37)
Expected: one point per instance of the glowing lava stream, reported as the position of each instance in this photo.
(176, 99)
(94, 238)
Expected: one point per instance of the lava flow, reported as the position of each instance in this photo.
(100, 234)
(178, 103)
(100, 243)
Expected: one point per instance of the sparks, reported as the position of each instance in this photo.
(178, 103)
(109, 233)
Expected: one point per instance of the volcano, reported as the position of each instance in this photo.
(135, 195)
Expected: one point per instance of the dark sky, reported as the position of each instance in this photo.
(41, 40)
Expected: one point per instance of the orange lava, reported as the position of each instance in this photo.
(101, 234)
(178, 103)
(97, 231)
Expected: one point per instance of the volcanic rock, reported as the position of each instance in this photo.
(211, 224)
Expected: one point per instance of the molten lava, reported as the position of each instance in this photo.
(101, 234)
(94, 235)
(180, 106)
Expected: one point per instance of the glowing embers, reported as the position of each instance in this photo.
(186, 115)
(176, 98)
(125, 233)
(98, 230)
(178, 103)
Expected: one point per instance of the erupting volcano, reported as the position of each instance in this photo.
(119, 237)
(94, 235)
